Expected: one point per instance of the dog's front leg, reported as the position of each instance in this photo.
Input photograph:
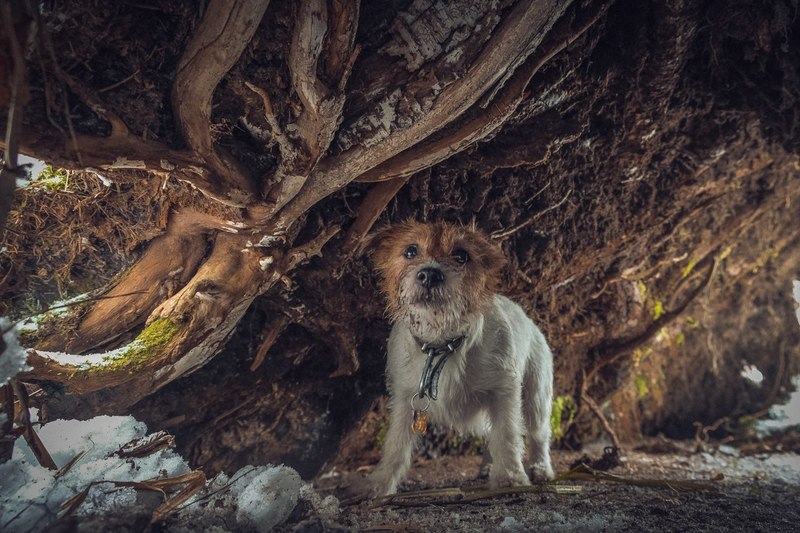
(397, 449)
(505, 440)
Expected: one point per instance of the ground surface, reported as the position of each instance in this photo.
(753, 493)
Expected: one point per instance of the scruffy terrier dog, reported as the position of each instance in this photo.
(459, 354)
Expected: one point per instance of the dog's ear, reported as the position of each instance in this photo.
(369, 244)
(491, 255)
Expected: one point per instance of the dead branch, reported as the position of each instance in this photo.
(490, 120)
(508, 48)
(219, 41)
(275, 329)
(371, 208)
(34, 442)
(586, 473)
(462, 495)
(502, 234)
(595, 409)
(301, 254)
(322, 103)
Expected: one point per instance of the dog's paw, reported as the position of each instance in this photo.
(508, 479)
(542, 472)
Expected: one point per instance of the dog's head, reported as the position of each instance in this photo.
(436, 276)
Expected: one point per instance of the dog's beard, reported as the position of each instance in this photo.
(433, 315)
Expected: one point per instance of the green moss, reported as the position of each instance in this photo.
(642, 386)
(381, 437)
(561, 405)
(680, 338)
(642, 289)
(658, 309)
(688, 268)
(692, 322)
(640, 354)
(136, 354)
(52, 179)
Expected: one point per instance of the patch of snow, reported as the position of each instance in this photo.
(752, 373)
(33, 172)
(13, 358)
(58, 308)
(254, 498)
(265, 262)
(510, 523)
(785, 415)
(92, 359)
(32, 495)
(108, 182)
(268, 498)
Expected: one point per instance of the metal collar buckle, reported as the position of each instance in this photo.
(434, 364)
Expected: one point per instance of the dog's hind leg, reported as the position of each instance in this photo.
(537, 407)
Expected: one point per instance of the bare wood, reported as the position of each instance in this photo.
(33, 440)
(132, 152)
(223, 34)
(167, 265)
(303, 253)
(371, 208)
(485, 123)
(204, 312)
(322, 103)
(507, 48)
(275, 329)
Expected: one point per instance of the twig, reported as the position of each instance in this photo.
(275, 330)
(603, 420)
(371, 208)
(286, 150)
(502, 234)
(459, 495)
(36, 445)
(586, 473)
(120, 82)
(312, 248)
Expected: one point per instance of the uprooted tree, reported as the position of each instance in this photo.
(630, 157)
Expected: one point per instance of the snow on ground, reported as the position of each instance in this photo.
(12, 359)
(36, 168)
(787, 414)
(31, 497)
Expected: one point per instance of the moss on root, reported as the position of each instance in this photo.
(139, 352)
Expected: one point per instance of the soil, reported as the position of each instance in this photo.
(752, 493)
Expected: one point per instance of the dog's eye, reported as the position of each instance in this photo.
(461, 256)
(410, 252)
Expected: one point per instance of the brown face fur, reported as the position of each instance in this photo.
(467, 287)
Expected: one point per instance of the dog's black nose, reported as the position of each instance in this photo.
(430, 277)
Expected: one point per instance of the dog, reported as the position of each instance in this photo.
(459, 355)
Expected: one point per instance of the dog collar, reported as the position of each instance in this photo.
(434, 364)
